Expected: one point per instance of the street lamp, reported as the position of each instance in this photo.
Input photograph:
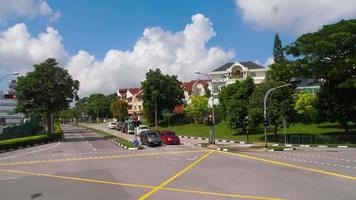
(12, 74)
(264, 108)
(212, 136)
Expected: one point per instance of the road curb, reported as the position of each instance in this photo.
(219, 140)
(310, 146)
(285, 149)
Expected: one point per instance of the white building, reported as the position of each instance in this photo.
(238, 71)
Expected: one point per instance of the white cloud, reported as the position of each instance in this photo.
(180, 53)
(297, 16)
(27, 8)
(269, 62)
(19, 51)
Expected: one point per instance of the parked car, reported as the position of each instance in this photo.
(150, 138)
(141, 128)
(112, 125)
(122, 127)
(168, 137)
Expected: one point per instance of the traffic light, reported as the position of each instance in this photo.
(266, 122)
(10, 96)
(294, 83)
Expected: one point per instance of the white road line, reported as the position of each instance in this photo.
(58, 143)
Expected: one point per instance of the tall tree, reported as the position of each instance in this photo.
(46, 90)
(330, 55)
(280, 70)
(119, 109)
(279, 105)
(235, 100)
(162, 90)
(278, 53)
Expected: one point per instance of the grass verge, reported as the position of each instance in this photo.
(322, 133)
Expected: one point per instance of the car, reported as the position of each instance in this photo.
(141, 128)
(150, 138)
(112, 125)
(122, 127)
(169, 137)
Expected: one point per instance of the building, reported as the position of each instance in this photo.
(231, 72)
(133, 96)
(8, 102)
(194, 88)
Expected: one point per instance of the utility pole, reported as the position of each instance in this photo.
(156, 122)
(265, 108)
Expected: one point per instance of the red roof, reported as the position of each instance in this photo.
(188, 86)
(134, 91)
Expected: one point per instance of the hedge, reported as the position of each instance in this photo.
(32, 140)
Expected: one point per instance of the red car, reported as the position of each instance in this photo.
(168, 137)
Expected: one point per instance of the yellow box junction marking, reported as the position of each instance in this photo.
(175, 176)
(292, 165)
(140, 185)
(99, 157)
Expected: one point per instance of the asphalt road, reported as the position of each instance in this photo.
(86, 166)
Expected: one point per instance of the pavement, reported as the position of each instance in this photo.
(87, 166)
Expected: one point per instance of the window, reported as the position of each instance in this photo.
(253, 74)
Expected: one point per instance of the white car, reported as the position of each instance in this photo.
(142, 128)
(112, 125)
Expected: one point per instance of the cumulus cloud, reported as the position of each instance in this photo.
(181, 53)
(298, 16)
(269, 62)
(19, 51)
(27, 8)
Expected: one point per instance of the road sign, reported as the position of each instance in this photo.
(135, 143)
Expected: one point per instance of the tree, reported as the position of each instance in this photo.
(305, 106)
(235, 100)
(46, 90)
(278, 53)
(98, 106)
(119, 109)
(281, 69)
(330, 55)
(162, 90)
(279, 105)
(198, 108)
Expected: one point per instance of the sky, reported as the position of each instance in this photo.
(111, 44)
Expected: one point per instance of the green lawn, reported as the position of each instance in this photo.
(325, 133)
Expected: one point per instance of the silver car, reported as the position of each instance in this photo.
(150, 138)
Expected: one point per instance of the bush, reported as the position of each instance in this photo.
(32, 140)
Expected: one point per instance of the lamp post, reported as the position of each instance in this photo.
(12, 74)
(212, 138)
(264, 108)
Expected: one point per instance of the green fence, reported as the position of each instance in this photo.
(28, 129)
(314, 139)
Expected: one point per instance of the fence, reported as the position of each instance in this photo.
(27, 129)
(314, 139)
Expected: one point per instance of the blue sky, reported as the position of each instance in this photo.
(96, 26)
(111, 44)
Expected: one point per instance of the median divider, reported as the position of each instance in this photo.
(113, 138)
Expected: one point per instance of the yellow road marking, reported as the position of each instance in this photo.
(79, 179)
(175, 176)
(139, 185)
(221, 194)
(292, 166)
(99, 157)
